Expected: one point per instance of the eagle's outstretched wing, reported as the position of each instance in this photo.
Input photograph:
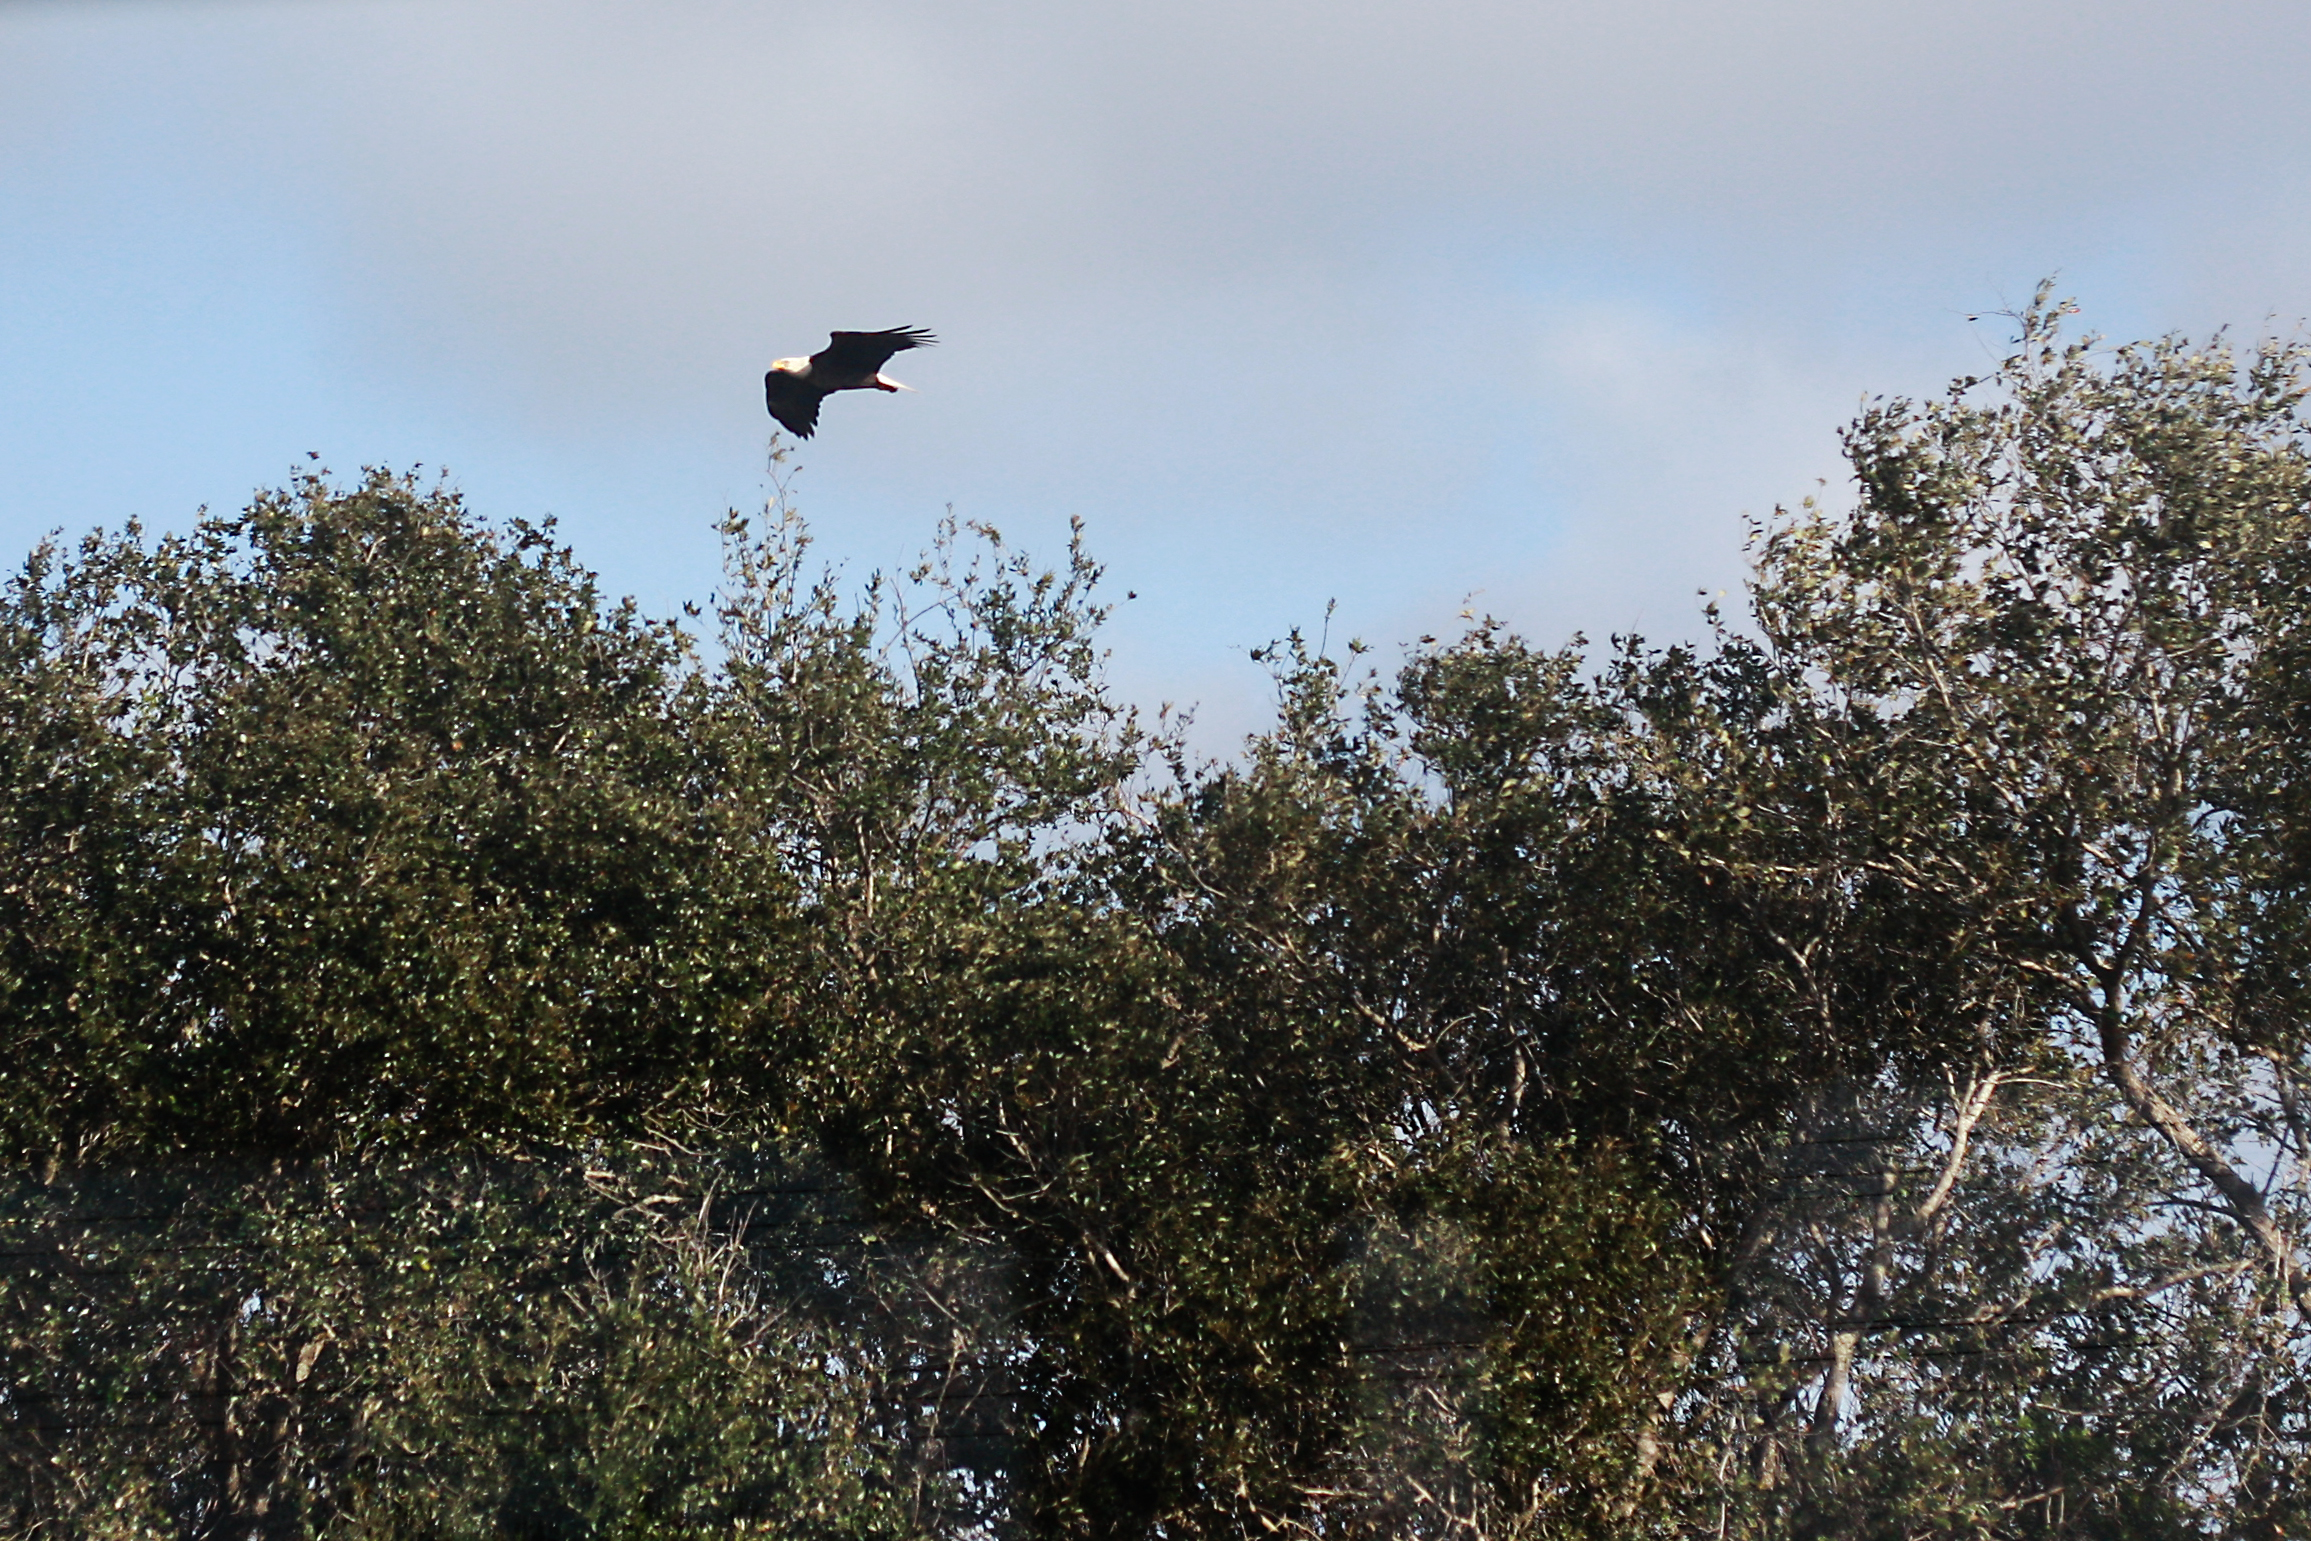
(793, 402)
(853, 355)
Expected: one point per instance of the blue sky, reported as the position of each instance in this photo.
(1411, 306)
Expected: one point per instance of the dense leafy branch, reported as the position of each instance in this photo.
(482, 1065)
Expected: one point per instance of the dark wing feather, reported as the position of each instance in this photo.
(855, 355)
(793, 402)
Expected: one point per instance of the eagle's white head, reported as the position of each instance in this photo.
(790, 366)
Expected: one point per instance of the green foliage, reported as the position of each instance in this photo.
(451, 1348)
(2052, 1285)
(482, 1070)
(342, 823)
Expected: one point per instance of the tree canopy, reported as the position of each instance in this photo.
(481, 1062)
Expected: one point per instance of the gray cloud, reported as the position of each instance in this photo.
(603, 197)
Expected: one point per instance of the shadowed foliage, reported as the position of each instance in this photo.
(479, 1063)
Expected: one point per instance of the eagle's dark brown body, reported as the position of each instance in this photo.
(851, 361)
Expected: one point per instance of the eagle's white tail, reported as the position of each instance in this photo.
(889, 384)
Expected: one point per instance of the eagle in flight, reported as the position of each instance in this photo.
(849, 362)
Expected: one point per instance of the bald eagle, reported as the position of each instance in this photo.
(795, 386)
